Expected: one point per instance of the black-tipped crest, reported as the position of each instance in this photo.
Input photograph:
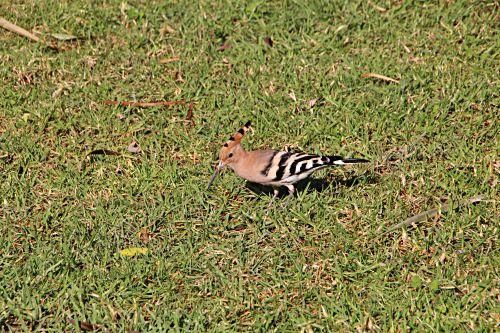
(239, 134)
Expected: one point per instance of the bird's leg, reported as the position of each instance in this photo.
(291, 191)
(275, 195)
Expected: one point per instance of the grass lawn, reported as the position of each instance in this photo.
(215, 261)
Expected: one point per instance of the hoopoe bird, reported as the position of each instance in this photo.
(271, 167)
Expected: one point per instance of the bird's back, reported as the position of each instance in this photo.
(289, 168)
(270, 167)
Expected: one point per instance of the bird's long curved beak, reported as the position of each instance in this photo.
(218, 168)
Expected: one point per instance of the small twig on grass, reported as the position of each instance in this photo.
(189, 115)
(23, 32)
(376, 7)
(17, 29)
(431, 213)
(169, 60)
(145, 104)
(379, 76)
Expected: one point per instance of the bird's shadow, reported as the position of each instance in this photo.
(310, 185)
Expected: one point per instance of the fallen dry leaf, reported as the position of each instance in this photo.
(312, 102)
(133, 251)
(134, 147)
(63, 37)
(379, 76)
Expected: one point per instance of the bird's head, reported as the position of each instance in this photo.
(230, 151)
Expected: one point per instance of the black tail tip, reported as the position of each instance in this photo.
(248, 124)
(355, 160)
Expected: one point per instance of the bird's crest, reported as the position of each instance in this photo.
(236, 137)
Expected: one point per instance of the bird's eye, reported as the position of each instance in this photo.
(230, 155)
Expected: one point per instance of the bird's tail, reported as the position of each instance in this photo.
(338, 160)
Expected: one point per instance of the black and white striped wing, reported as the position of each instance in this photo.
(288, 168)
